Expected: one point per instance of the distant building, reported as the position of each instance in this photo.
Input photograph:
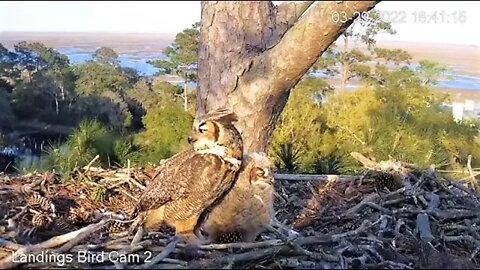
(457, 110)
(469, 105)
(467, 109)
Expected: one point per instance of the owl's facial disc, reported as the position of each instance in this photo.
(203, 135)
(203, 143)
(261, 178)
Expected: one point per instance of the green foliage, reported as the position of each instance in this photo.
(36, 56)
(90, 139)
(395, 56)
(167, 67)
(103, 88)
(131, 74)
(181, 55)
(406, 125)
(366, 28)
(166, 132)
(125, 149)
(31, 165)
(47, 88)
(288, 157)
(106, 55)
(95, 78)
(8, 72)
(99, 193)
(184, 50)
(109, 108)
(298, 124)
(6, 115)
(329, 164)
(61, 160)
(395, 116)
(143, 97)
(430, 72)
(160, 94)
(350, 63)
(41, 81)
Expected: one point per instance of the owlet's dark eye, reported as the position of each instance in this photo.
(202, 128)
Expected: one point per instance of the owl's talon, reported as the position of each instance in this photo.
(191, 240)
(192, 244)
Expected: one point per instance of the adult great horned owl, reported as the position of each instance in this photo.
(191, 181)
(249, 204)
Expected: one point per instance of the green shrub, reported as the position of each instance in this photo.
(166, 132)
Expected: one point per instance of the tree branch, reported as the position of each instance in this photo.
(8, 262)
(315, 31)
(288, 14)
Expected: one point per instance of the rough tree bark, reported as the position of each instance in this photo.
(252, 53)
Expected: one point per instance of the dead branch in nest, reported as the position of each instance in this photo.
(365, 161)
(466, 238)
(423, 227)
(254, 255)
(362, 227)
(162, 255)
(87, 168)
(261, 244)
(473, 180)
(369, 199)
(9, 262)
(313, 177)
(460, 186)
(80, 237)
(394, 265)
(10, 245)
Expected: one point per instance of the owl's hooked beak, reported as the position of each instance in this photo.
(191, 140)
(268, 181)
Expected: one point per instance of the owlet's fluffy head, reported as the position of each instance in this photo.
(259, 171)
(215, 133)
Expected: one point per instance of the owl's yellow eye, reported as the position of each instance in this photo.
(203, 127)
(260, 173)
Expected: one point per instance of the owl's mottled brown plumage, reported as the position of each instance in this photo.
(191, 181)
(248, 207)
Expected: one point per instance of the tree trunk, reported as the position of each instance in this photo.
(185, 104)
(345, 64)
(62, 91)
(252, 53)
(345, 75)
(56, 106)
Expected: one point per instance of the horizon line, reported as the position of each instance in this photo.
(87, 32)
(174, 34)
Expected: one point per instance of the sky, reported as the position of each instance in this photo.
(172, 17)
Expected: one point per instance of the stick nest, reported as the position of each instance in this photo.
(393, 216)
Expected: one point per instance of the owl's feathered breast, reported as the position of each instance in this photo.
(187, 177)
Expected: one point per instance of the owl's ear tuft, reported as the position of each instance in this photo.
(228, 118)
(223, 115)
